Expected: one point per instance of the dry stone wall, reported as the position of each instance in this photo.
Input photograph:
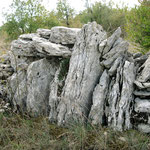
(102, 84)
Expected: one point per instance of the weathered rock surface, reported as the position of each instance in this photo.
(142, 105)
(99, 99)
(39, 75)
(83, 75)
(17, 87)
(51, 49)
(145, 74)
(145, 128)
(23, 48)
(45, 33)
(105, 84)
(126, 97)
(111, 40)
(54, 99)
(64, 35)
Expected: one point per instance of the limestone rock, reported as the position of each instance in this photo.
(44, 33)
(53, 97)
(5, 71)
(126, 97)
(51, 49)
(99, 99)
(114, 53)
(142, 105)
(23, 48)
(142, 94)
(137, 55)
(142, 85)
(17, 90)
(64, 35)
(21, 62)
(111, 40)
(145, 74)
(28, 37)
(145, 128)
(119, 99)
(39, 75)
(114, 67)
(84, 73)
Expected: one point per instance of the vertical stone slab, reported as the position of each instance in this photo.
(84, 73)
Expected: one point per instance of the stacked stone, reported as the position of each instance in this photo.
(5, 71)
(99, 85)
(36, 58)
(104, 85)
(142, 96)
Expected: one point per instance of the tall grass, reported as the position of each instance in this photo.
(24, 133)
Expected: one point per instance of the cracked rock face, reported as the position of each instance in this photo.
(105, 84)
(83, 75)
(51, 49)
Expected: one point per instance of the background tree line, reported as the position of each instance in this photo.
(29, 15)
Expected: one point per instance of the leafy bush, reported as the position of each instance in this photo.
(138, 25)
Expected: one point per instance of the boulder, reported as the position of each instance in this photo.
(64, 35)
(39, 75)
(51, 49)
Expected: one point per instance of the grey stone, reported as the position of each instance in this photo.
(142, 105)
(137, 55)
(114, 67)
(126, 97)
(23, 48)
(39, 75)
(17, 90)
(28, 37)
(99, 100)
(64, 35)
(113, 54)
(51, 49)
(145, 74)
(21, 62)
(54, 99)
(45, 33)
(111, 40)
(84, 73)
(145, 128)
(142, 94)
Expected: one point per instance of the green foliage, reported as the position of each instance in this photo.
(64, 12)
(138, 25)
(26, 17)
(107, 16)
(64, 67)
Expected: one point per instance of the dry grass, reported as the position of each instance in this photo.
(24, 133)
(4, 45)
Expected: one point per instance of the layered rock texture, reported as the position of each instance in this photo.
(78, 76)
